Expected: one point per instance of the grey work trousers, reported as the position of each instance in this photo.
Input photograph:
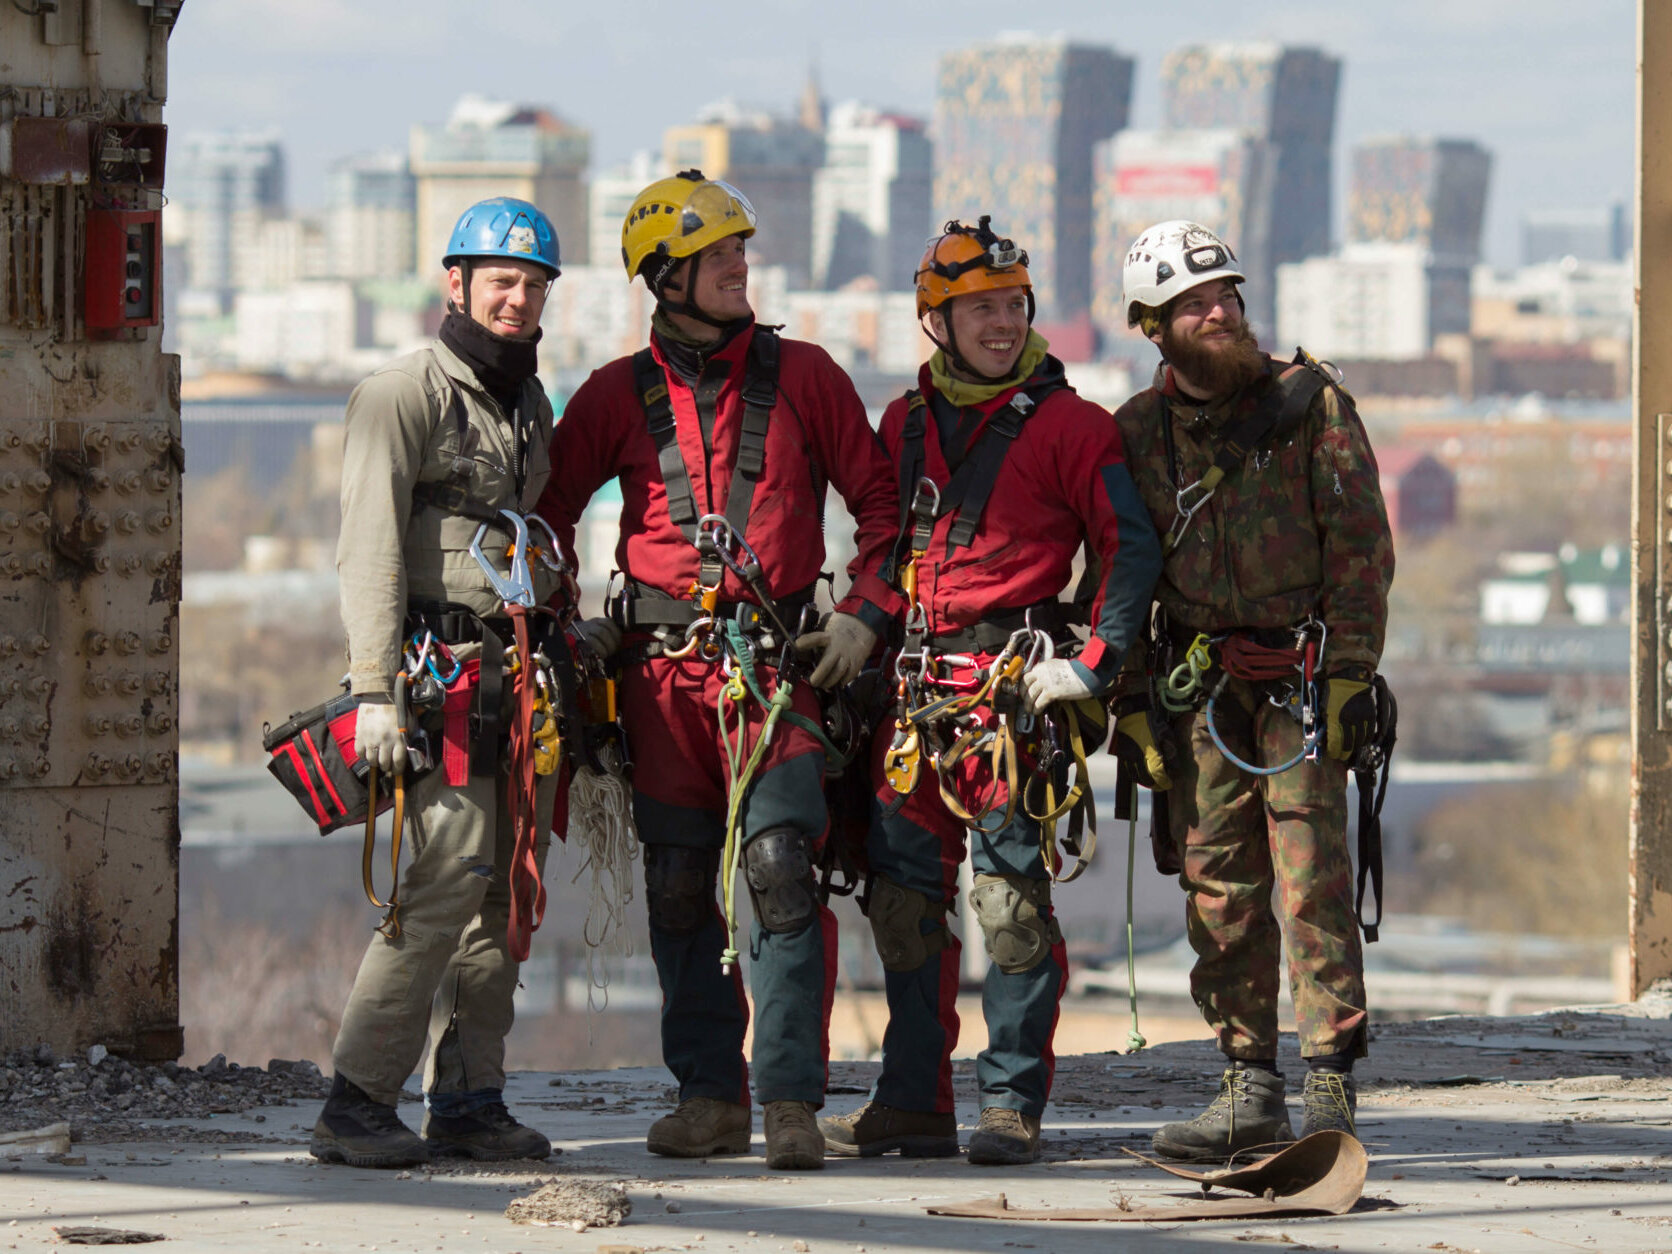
(449, 976)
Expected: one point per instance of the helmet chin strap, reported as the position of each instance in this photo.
(688, 308)
(464, 278)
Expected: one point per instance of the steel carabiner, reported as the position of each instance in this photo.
(516, 588)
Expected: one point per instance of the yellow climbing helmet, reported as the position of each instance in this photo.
(677, 217)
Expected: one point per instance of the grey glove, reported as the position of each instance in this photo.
(377, 736)
(1058, 679)
(600, 635)
(846, 642)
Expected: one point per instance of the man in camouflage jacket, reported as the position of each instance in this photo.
(1281, 549)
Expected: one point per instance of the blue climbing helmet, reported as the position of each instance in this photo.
(503, 226)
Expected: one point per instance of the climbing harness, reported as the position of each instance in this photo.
(948, 705)
(739, 637)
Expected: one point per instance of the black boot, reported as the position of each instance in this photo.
(490, 1134)
(1248, 1112)
(1330, 1102)
(354, 1129)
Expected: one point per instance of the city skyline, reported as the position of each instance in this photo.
(1546, 87)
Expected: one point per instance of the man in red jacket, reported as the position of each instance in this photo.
(724, 437)
(1004, 473)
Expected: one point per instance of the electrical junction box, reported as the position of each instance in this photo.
(123, 286)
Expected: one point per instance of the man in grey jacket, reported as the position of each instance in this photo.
(459, 427)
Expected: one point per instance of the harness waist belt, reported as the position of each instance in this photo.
(993, 632)
(1181, 636)
(452, 623)
(638, 607)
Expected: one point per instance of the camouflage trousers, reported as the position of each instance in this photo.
(1265, 862)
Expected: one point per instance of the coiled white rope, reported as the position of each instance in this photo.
(601, 825)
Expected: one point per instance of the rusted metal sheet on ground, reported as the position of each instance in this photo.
(1651, 715)
(90, 530)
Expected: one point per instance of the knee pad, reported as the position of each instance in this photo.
(679, 887)
(779, 866)
(1015, 922)
(896, 914)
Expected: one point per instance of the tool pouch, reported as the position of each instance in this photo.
(312, 755)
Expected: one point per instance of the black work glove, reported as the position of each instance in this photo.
(1349, 703)
(1138, 745)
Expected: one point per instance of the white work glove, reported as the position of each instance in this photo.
(1056, 680)
(377, 736)
(600, 635)
(846, 642)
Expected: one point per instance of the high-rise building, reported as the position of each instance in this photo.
(1430, 193)
(496, 148)
(1284, 96)
(1219, 178)
(222, 187)
(371, 205)
(873, 201)
(1365, 302)
(610, 195)
(1015, 125)
(770, 160)
(1602, 233)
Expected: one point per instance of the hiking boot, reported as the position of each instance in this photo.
(793, 1139)
(1005, 1138)
(699, 1128)
(876, 1129)
(490, 1134)
(354, 1129)
(1248, 1112)
(1329, 1100)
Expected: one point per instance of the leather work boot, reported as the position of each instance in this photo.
(354, 1129)
(876, 1129)
(490, 1134)
(699, 1128)
(1330, 1102)
(1248, 1112)
(793, 1139)
(1005, 1138)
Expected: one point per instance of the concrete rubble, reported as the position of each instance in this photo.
(1543, 1132)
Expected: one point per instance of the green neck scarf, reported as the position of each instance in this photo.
(963, 393)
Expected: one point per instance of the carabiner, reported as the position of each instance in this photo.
(555, 561)
(710, 526)
(416, 664)
(693, 637)
(517, 588)
(933, 504)
(1187, 513)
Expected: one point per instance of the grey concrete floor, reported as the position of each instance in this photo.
(1549, 1132)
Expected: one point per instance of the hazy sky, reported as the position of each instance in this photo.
(1547, 85)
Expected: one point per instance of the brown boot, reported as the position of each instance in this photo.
(876, 1129)
(701, 1127)
(1005, 1138)
(793, 1139)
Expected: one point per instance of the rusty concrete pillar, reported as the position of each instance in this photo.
(1651, 520)
(90, 464)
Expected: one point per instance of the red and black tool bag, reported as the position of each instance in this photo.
(313, 757)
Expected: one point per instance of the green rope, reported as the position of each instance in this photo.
(1184, 682)
(1134, 1039)
(739, 778)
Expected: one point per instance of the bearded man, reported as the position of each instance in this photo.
(1273, 601)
